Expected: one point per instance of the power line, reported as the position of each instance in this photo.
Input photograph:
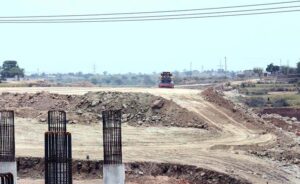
(153, 16)
(153, 19)
(153, 12)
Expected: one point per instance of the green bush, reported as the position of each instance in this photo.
(259, 92)
(248, 85)
(280, 103)
(256, 102)
(279, 89)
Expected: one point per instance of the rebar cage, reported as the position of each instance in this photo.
(58, 158)
(7, 136)
(57, 121)
(112, 137)
(58, 150)
(6, 178)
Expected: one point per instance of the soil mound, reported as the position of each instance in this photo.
(138, 108)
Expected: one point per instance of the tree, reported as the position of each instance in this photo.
(117, 81)
(272, 68)
(258, 71)
(148, 81)
(94, 80)
(10, 69)
(287, 70)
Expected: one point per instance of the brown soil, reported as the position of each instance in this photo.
(284, 149)
(138, 108)
(216, 97)
(242, 145)
(284, 125)
(287, 112)
(238, 113)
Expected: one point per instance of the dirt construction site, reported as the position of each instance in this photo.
(178, 136)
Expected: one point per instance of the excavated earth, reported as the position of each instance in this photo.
(138, 172)
(137, 108)
(286, 112)
(286, 147)
(178, 132)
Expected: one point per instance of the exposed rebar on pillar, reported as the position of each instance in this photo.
(58, 158)
(58, 150)
(6, 178)
(113, 169)
(7, 136)
(8, 166)
(57, 121)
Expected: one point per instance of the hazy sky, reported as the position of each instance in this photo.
(247, 41)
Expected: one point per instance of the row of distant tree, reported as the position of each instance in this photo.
(11, 69)
(276, 69)
(127, 79)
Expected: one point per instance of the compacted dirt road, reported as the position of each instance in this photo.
(215, 150)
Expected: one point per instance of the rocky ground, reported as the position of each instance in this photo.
(285, 123)
(292, 113)
(139, 109)
(138, 172)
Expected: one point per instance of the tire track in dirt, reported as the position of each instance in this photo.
(233, 134)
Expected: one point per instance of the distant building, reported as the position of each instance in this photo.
(221, 71)
(11, 79)
(249, 73)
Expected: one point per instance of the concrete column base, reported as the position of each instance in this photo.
(9, 167)
(114, 174)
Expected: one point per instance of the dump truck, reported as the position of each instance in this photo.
(166, 80)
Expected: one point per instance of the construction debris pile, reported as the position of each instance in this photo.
(139, 109)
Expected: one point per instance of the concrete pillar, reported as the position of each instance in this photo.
(114, 174)
(9, 167)
(58, 150)
(7, 144)
(113, 168)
